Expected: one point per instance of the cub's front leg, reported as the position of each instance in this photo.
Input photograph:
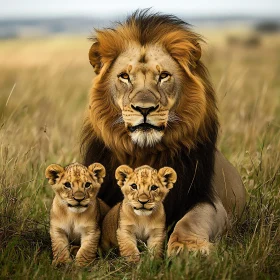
(155, 242)
(128, 244)
(60, 246)
(195, 230)
(89, 245)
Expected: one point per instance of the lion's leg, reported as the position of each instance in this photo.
(105, 243)
(128, 245)
(60, 246)
(155, 242)
(195, 230)
(89, 245)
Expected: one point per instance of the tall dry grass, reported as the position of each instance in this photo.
(43, 95)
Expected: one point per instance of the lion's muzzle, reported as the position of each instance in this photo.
(145, 126)
(145, 122)
(79, 200)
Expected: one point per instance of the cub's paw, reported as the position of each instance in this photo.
(82, 262)
(132, 258)
(191, 245)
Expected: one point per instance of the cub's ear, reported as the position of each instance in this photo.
(95, 57)
(121, 174)
(98, 170)
(53, 172)
(168, 176)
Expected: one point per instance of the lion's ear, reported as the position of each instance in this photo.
(121, 174)
(95, 57)
(98, 170)
(168, 176)
(184, 47)
(53, 172)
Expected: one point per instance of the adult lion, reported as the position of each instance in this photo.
(152, 104)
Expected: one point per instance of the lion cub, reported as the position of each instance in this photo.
(76, 211)
(140, 216)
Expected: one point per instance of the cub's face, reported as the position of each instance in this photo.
(145, 82)
(145, 188)
(76, 185)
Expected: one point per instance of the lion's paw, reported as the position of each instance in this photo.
(132, 258)
(81, 263)
(191, 245)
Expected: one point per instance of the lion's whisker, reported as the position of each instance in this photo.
(118, 121)
(173, 117)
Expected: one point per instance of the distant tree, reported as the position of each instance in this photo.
(268, 27)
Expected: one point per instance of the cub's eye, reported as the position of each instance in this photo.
(163, 75)
(67, 185)
(134, 186)
(124, 76)
(154, 188)
(87, 185)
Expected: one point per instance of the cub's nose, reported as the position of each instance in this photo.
(143, 201)
(79, 196)
(144, 111)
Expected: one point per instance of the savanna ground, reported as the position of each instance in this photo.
(44, 86)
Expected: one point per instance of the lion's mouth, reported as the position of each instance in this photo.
(77, 206)
(145, 127)
(143, 209)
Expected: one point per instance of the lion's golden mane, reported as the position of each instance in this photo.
(196, 123)
(186, 142)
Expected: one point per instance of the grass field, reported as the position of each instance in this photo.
(44, 86)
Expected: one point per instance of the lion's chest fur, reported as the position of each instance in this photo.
(142, 231)
(142, 227)
(74, 230)
(74, 224)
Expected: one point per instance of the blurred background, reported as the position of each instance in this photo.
(33, 18)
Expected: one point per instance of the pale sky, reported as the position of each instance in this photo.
(53, 8)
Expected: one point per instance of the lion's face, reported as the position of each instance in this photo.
(76, 185)
(144, 188)
(145, 83)
(151, 89)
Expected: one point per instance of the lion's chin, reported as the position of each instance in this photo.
(143, 212)
(77, 208)
(146, 138)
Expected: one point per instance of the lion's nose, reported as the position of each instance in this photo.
(144, 111)
(143, 201)
(79, 196)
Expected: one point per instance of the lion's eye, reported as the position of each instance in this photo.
(154, 188)
(87, 185)
(124, 76)
(134, 186)
(67, 185)
(163, 75)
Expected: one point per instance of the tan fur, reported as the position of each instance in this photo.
(204, 224)
(132, 220)
(76, 212)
